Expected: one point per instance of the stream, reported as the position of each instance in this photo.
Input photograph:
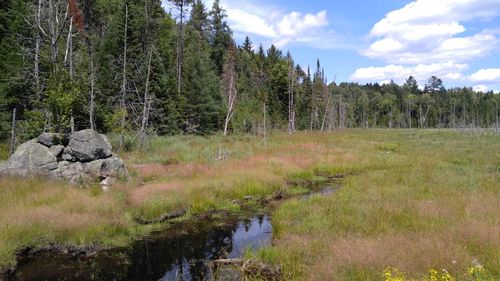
(182, 252)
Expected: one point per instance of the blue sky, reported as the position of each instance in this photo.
(380, 40)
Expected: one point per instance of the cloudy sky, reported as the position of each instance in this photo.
(380, 40)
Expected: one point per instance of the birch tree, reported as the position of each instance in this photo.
(229, 81)
(146, 102)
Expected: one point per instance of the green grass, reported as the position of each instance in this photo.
(426, 201)
(429, 199)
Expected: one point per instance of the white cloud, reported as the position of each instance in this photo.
(294, 23)
(425, 31)
(399, 73)
(480, 88)
(486, 75)
(386, 45)
(274, 26)
(250, 23)
(441, 15)
(424, 38)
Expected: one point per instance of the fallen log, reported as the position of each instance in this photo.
(163, 218)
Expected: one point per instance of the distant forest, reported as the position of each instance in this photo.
(130, 67)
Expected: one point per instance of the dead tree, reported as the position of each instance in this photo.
(291, 99)
(229, 80)
(13, 133)
(92, 91)
(264, 134)
(38, 42)
(327, 106)
(146, 103)
(68, 54)
(332, 114)
(56, 15)
(123, 92)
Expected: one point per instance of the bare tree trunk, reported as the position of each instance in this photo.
(56, 28)
(325, 113)
(312, 118)
(124, 82)
(325, 90)
(92, 91)
(230, 112)
(68, 61)
(264, 121)
(67, 53)
(420, 118)
(291, 106)
(38, 42)
(390, 118)
(147, 103)
(332, 115)
(72, 123)
(13, 133)
(425, 115)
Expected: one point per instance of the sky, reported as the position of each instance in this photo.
(380, 40)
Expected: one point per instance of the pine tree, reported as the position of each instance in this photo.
(221, 36)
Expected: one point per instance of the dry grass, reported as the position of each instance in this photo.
(36, 212)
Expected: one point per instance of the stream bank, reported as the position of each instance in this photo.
(181, 251)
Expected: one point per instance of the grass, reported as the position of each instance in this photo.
(427, 201)
(412, 202)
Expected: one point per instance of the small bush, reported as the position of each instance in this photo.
(4, 151)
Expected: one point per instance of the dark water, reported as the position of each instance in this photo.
(177, 254)
(182, 252)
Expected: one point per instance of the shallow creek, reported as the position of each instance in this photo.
(181, 252)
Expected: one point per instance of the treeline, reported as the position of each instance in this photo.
(129, 66)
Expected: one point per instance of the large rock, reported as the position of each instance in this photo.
(104, 168)
(72, 172)
(87, 158)
(88, 145)
(30, 158)
(56, 150)
(48, 139)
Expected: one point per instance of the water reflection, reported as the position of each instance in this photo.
(179, 254)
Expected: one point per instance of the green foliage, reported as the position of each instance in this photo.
(4, 151)
(62, 95)
(32, 126)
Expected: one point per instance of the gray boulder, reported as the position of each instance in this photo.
(48, 139)
(67, 155)
(56, 150)
(30, 158)
(104, 168)
(88, 145)
(87, 158)
(72, 172)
